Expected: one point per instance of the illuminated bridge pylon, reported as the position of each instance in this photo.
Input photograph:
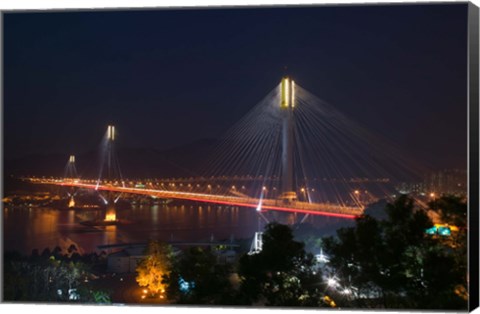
(287, 104)
(109, 171)
(71, 174)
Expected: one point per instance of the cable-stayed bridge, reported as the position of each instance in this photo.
(290, 135)
(324, 209)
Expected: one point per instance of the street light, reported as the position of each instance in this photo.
(332, 282)
(346, 291)
(304, 194)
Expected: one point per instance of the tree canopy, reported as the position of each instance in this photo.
(282, 274)
(394, 263)
(155, 267)
(197, 278)
(50, 277)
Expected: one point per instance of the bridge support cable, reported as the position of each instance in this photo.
(289, 141)
(342, 156)
(250, 149)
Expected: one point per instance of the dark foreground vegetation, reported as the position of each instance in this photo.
(53, 277)
(378, 263)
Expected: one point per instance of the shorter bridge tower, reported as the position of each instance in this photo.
(71, 175)
(110, 170)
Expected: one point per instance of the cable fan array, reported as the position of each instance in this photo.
(336, 160)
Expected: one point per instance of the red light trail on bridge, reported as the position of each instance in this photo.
(337, 211)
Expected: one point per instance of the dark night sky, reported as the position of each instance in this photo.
(167, 78)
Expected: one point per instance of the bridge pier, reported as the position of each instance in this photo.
(71, 202)
(111, 212)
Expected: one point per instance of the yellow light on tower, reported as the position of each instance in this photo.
(287, 93)
(293, 94)
(285, 103)
(111, 132)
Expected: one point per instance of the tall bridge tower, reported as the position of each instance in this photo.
(287, 105)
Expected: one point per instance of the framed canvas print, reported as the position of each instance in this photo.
(320, 156)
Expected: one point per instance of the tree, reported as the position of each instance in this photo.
(155, 267)
(15, 284)
(393, 262)
(43, 278)
(197, 278)
(453, 211)
(100, 297)
(282, 274)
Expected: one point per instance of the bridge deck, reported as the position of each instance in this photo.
(323, 209)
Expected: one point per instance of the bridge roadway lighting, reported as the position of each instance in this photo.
(304, 192)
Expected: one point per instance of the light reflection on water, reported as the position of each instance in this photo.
(39, 228)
